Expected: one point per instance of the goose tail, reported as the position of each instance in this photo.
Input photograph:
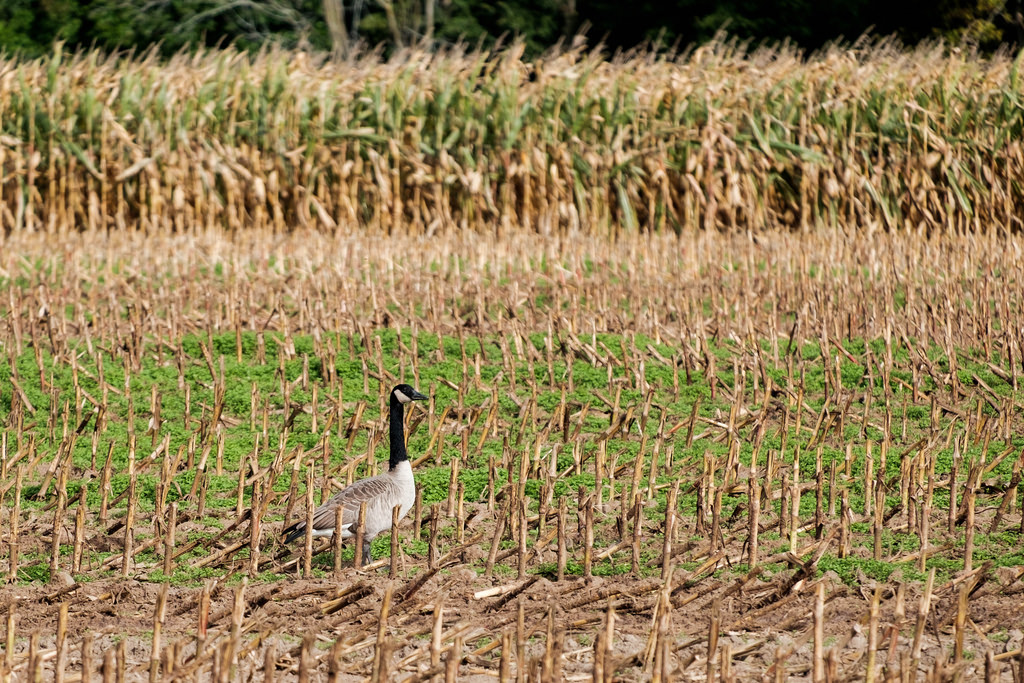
(294, 532)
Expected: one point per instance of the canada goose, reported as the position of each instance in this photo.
(381, 493)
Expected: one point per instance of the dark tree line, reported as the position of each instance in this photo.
(30, 27)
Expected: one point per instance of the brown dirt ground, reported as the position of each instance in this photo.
(761, 623)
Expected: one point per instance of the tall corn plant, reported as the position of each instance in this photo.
(721, 138)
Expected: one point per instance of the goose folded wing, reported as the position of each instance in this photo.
(350, 498)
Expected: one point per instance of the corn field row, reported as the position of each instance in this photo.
(719, 137)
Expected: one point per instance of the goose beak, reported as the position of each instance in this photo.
(417, 396)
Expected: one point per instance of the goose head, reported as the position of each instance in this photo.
(404, 393)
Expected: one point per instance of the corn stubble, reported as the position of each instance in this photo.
(802, 462)
(706, 453)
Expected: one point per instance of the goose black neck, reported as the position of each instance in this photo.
(398, 453)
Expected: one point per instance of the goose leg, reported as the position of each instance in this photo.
(366, 551)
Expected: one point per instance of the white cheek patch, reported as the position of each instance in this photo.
(402, 398)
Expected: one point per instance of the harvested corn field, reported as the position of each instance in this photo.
(663, 457)
(722, 350)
